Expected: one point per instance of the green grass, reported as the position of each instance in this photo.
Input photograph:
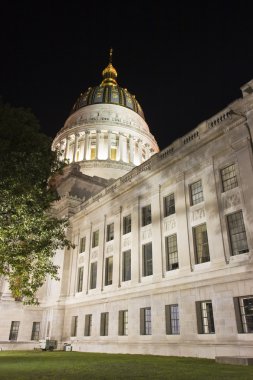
(36, 365)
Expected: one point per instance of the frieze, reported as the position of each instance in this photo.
(94, 254)
(109, 248)
(198, 214)
(231, 200)
(147, 234)
(169, 224)
(81, 260)
(126, 242)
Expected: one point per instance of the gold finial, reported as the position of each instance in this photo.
(109, 73)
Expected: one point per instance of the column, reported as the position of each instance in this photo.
(121, 137)
(97, 143)
(131, 147)
(147, 150)
(136, 249)
(157, 256)
(66, 148)
(109, 144)
(140, 151)
(182, 224)
(85, 147)
(75, 147)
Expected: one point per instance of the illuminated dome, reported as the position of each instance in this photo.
(106, 133)
(108, 92)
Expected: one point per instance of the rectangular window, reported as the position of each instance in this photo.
(14, 330)
(126, 224)
(93, 275)
(104, 321)
(201, 244)
(110, 232)
(145, 321)
(146, 215)
(35, 331)
(108, 270)
(244, 314)
(113, 153)
(205, 317)
(169, 205)
(229, 178)
(172, 320)
(80, 279)
(74, 321)
(123, 322)
(126, 265)
(172, 254)
(147, 259)
(196, 192)
(82, 244)
(95, 239)
(88, 324)
(93, 153)
(237, 233)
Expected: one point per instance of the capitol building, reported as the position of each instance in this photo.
(163, 256)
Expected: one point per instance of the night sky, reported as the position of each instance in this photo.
(183, 61)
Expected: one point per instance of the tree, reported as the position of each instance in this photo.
(29, 232)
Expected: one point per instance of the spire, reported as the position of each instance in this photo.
(109, 73)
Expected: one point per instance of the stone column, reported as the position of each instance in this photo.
(182, 225)
(109, 145)
(136, 250)
(121, 138)
(66, 148)
(86, 144)
(131, 147)
(140, 151)
(75, 147)
(158, 264)
(97, 143)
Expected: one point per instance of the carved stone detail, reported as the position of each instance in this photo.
(94, 254)
(126, 242)
(198, 214)
(147, 234)
(231, 200)
(169, 224)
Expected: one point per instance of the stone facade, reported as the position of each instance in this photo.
(163, 257)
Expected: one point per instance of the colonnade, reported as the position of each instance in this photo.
(104, 145)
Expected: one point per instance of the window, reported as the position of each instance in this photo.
(126, 266)
(205, 317)
(172, 319)
(229, 178)
(93, 275)
(93, 153)
(237, 233)
(82, 244)
(123, 322)
(146, 215)
(74, 321)
(145, 321)
(80, 279)
(14, 330)
(172, 254)
(113, 153)
(147, 259)
(108, 270)
(104, 321)
(110, 232)
(196, 192)
(126, 224)
(87, 324)
(95, 239)
(35, 331)
(244, 314)
(169, 205)
(201, 244)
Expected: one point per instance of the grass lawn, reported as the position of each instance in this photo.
(37, 365)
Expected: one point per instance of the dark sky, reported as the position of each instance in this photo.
(184, 61)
